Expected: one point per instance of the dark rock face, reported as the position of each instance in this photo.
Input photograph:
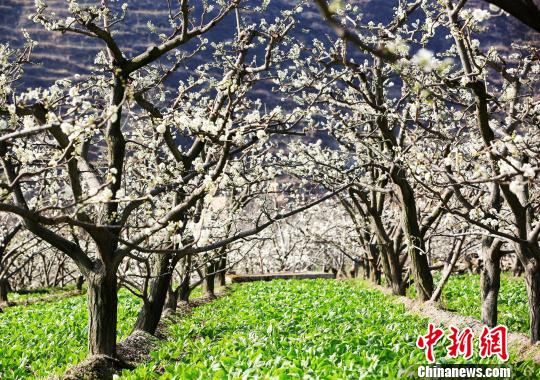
(59, 56)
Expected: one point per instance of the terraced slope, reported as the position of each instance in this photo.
(60, 55)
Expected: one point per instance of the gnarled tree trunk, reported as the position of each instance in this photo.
(415, 242)
(390, 260)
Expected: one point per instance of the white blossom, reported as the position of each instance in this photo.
(528, 170)
(161, 128)
(480, 14)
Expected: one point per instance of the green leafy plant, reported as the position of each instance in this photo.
(462, 296)
(295, 329)
(37, 294)
(281, 329)
(45, 338)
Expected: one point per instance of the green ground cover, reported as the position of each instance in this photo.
(296, 329)
(45, 338)
(321, 329)
(36, 294)
(462, 295)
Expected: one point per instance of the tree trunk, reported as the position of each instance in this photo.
(409, 219)
(172, 299)
(102, 302)
(222, 271)
(532, 281)
(456, 253)
(415, 242)
(184, 289)
(79, 283)
(150, 312)
(396, 271)
(361, 263)
(4, 290)
(383, 247)
(209, 281)
(222, 279)
(390, 260)
(365, 269)
(468, 265)
(490, 280)
(517, 270)
(185, 293)
(374, 273)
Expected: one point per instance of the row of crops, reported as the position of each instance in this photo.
(279, 329)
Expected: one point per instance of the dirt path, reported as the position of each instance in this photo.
(518, 343)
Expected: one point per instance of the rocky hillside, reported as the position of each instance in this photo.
(58, 56)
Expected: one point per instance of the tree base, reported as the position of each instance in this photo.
(136, 348)
(97, 367)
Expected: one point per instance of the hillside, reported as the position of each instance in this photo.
(58, 56)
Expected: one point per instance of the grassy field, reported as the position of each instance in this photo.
(321, 329)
